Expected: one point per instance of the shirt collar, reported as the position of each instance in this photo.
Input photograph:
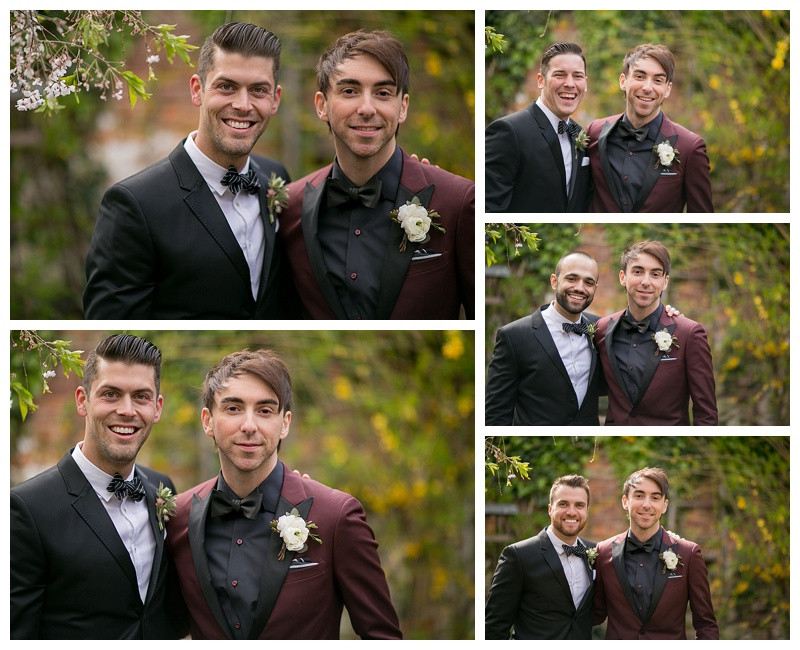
(97, 478)
(654, 318)
(270, 488)
(551, 116)
(209, 170)
(558, 543)
(389, 175)
(653, 126)
(656, 537)
(552, 315)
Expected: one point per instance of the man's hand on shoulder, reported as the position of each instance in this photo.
(671, 311)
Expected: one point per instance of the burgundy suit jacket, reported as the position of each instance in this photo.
(425, 289)
(665, 189)
(299, 604)
(670, 379)
(672, 590)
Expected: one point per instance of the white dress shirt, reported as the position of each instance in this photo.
(563, 139)
(243, 210)
(574, 569)
(130, 518)
(574, 349)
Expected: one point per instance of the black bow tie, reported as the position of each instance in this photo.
(571, 128)
(576, 550)
(578, 328)
(633, 545)
(626, 131)
(235, 181)
(221, 505)
(630, 324)
(368, 194)
(122, 488)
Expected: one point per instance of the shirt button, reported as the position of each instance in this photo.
(357, 232)
(239, 625)
(625, 177)
(630, 153)
(634, 345)
(353, 276)
(234, 583)
(239, 541)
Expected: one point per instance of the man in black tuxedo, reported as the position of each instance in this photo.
(542, 587)
(544, 368)
(535, 161)
(88, 558)
(189, 237)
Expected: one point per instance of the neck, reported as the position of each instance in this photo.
(223, 160)
(643, 534)
(638, 122)
(360, 169)
(243, 482)
(567, 540)
(109, 466)
(573, 318)
(640, 313)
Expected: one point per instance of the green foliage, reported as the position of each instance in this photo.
(494, 40)
(512, 466)
(511, 235)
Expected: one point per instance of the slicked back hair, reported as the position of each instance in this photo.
(239, 38)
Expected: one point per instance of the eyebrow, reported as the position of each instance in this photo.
(238, 400)
(239, 83)
(103, 387)
(356, 82)
(643, 492)
(644, 72)
(655, 268)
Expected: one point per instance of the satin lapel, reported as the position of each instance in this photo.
(593, 348)
(660, 582)
(87, 505)
(274, 573)
(542, 334)
(150, 498)
(270, 229)
(602, 148)
(197, 537)
(574, 154)
(312, 202)
(551, 138)
(550, 556)
(652, 172)
(612, 326)
(652, 363)
(396, 263)
(618, 559)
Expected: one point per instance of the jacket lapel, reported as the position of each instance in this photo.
(651, 365)
(275, 570)
(652, 171)
(612, 326)
(618, 559)
(661, 578)
(150, 498)
(87, 505)
(312, 203)
(542, 334)
(602, 148)
(270, 229)
(551, 557)
(396, 263)
(197, 536)
(551, 138)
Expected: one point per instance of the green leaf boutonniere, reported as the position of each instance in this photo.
(277, 196)
(415, 221)
(165, 505)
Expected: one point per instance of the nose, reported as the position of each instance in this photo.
(249, 422)
(125, 406)
(366, 106)
(241, 100)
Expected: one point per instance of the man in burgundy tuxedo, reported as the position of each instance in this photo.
(350, 258)
(654, 363)
(646, 575)
(642, 161)
(262, 553)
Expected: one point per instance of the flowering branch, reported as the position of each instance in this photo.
(45, 47)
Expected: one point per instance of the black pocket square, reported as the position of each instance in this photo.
(301, 563)
(424, 254)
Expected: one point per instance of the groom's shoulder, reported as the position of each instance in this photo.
(595, 126)
(200, 490)
(684, 134)
(314, 178)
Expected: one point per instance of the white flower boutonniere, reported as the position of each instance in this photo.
(294, 531)
(582, 140)
(670, 559)
(416, 221)
(664, 341)
(165, 505)
(277, 196)
(591, 556)
(666, 154)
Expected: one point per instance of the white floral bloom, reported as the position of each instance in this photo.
(153, 58)
(663, 340)
(670, 559)
(293, 532)
(666, 154)
(415, 221)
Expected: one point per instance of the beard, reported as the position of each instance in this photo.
(563, 301)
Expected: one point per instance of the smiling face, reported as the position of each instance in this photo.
(247, 426)
(364, 109)
(569, 512)
(644, 503)
(120, 408)
(564, 85)
(644, 281)
(645, 87)
(575, 285)
(236, 103)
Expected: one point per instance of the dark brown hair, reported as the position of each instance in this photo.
(264, 364)
(560, 48)
(239, 38)
(655, 474)
(573, 481)
(127, 349)
(654, 248)
(658, 52)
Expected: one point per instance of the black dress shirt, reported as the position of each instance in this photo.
(354, 237)
(236, 548)
(631, 350)
(629, 159)
(640, 569)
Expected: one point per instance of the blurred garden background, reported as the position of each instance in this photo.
(385, 416)
(728, 494)
(731, 84)
(62, 163)
(733, 278)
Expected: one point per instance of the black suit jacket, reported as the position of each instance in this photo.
(530, 592)
(162, 249)
(71, 575)
(528, 383)
(525, 168)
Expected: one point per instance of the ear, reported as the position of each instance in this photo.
(208, 422)
(287, 420)
(622, 277)
(666, 282)
(159, 407)
(196, 89)
(278, 91)
(539, 80)
(322, 106)
(80, 400)
(403, 109)
(622, 82)
(553, 281)
(669, 88)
